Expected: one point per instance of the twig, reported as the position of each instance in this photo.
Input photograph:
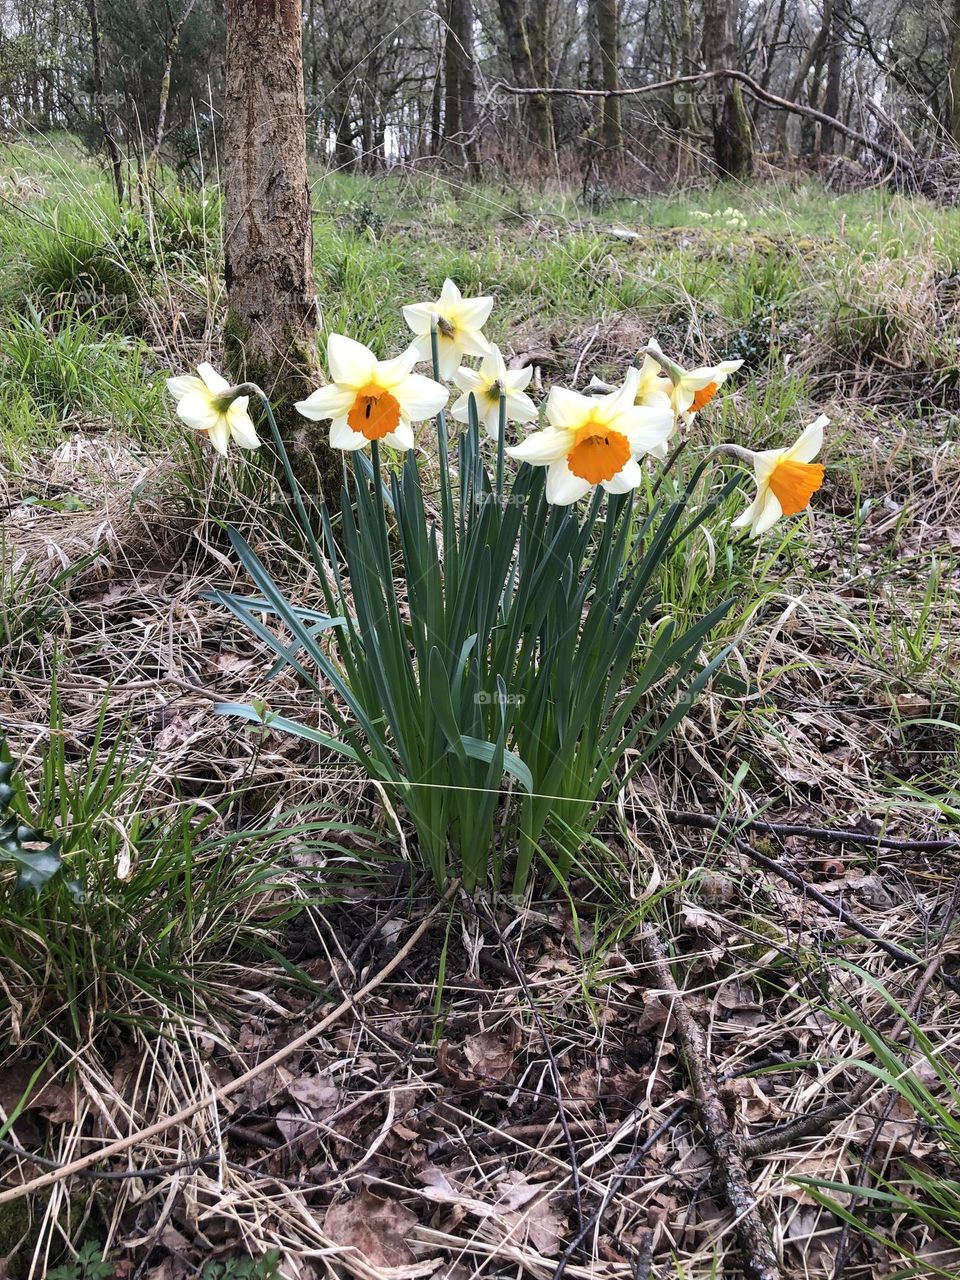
(225, 1091)
(777, 1139)
(616, 1183)
(759, 1256)
(793, 878)
(711, 822)
(757, 91)
(552, 1064)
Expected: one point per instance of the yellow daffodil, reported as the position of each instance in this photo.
(692, 389)
(370, 399)
(487, 383)
(202, 405)
(593, 440)
(458, 322)
(786, 479)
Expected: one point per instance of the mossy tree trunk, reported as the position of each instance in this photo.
(953, 119)
(608, 39)
(732, 131)
(268, 240)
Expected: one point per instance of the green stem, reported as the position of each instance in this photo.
(501, 442)
(251, 388)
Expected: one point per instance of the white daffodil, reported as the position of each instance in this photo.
(458, 322)
(691, 389)
(786, 479)
(370, 399)
(594, 440)
(487, 383)
(202, 405)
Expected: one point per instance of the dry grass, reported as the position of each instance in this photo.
(420, 1135)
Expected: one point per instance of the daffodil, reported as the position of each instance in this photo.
(692, 389)
(203, 405)
(593, 440)
(458, 321)
(487, 383)
(370, 399)
(786, 479)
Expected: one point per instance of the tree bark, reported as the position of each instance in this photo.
(268, 238)
(116, 163)
(732, 134)
(608, 39)
(831, 97)
(172, 45)
(460, 125)
(954, 76)
(524, 63)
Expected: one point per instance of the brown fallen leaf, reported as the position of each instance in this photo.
(376, 1227)
(47, 1098)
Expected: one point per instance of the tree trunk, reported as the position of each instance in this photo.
(523, 64)
(172, 45)
(608, 38)
(831, 99)
(460, 105)
(268, 239)
(954, 73)
(116, 163)
(732, 134)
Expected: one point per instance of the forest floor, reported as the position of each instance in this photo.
(516, 1095)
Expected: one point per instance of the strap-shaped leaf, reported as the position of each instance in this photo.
(478, 749)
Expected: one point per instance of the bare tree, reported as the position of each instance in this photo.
(732, 131)
(268, 239)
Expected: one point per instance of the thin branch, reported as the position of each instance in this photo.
(762, 95)
(759, 1259)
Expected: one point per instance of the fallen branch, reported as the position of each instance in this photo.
(225, 1091)
(759, 1260)
(784, 1135)
(755, 90)
(732, 827)
(833, 835)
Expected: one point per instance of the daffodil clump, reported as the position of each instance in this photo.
(502, 668)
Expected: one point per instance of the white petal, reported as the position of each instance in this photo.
(648, 428)
(185, 386)
(810, 442)
(563, 487)
(241, 424)
(770, 513)
(420, 397)
(748, 516)
(461, 408)
(540, 448)
(473, 313)
(469, 380)
(197, 411)
(219, 435)
(450, 297)
(627, 478)
(518, 379)
(449, 352)
(402, 438)
(330, 401)
(472, 342)
(390, 372)
(419, 316)
(567, 409)
(343, 436)
(350, 362)
(422, 346)
(212, 380)
(520, 408)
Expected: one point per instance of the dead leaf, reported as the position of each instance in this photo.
(377, 1228)
(48, 1098)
